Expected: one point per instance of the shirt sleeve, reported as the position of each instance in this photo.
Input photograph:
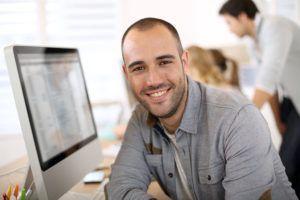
(275, 43)
(249, 156)
(130, 176)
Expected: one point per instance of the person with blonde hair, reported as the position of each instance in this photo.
(228, 67)
(201, 67)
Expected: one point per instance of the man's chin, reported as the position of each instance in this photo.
(242, 35)
(163, 114)
(157, 113)
(159, 110)
(239, 35)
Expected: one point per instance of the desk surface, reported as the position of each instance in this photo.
(18, 170)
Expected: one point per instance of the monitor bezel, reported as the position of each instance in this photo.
(45, 165)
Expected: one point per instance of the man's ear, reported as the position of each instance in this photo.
(185, 61)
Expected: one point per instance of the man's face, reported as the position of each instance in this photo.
(155, 70)
(236, 25)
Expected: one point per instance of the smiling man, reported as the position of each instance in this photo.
(197, 142)
(161, 90)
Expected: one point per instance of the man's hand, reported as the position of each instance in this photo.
(281, 127)
(261, 97)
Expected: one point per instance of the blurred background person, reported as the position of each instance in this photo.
(228, 67)
(209, 69)
(277, 47)
(201, 67)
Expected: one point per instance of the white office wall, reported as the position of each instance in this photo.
(197, 21)
(288, 8)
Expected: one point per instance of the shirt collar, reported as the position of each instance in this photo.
(189, 122)
(190, 117)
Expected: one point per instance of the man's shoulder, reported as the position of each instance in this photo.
(273, 23)
(277, 19)
(220, 99)
(140, 112)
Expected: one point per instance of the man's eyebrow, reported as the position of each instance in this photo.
(135, 63)
(165, 56)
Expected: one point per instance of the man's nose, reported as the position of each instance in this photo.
(154, 76)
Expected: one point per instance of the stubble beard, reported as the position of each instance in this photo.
(176, 99)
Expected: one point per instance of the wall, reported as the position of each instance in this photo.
(197, 21)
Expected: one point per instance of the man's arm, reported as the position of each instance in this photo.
(249, 155)
(130, 176)
(260, 97)
(275, 41)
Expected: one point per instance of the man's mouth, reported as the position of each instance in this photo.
(158, 94)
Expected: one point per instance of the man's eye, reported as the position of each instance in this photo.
(139, 68)
(165, 62)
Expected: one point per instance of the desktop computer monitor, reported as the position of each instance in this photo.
(55, 116)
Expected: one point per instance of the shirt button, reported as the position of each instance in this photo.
(170, 175)
(209, 177)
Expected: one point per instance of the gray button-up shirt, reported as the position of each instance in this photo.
(278, 40)
(224, 144)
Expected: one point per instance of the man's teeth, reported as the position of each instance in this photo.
(158, 94)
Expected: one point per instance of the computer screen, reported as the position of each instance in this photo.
(55, 115)
(57, 103)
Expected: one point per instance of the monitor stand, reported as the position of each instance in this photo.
(32, 194)
(29, 185)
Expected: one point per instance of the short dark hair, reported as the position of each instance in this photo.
(236, 7)
(148, 23)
